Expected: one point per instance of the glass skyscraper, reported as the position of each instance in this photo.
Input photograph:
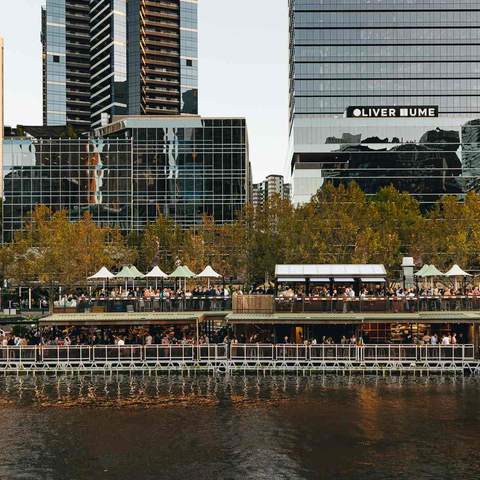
(108, 57)
(350, 58)
(130, 172)
(118, 57)
(66, 63)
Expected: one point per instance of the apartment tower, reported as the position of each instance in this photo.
(107, 58)
(66, 63)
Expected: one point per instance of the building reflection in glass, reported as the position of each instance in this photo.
(130, 172)
(425, 160)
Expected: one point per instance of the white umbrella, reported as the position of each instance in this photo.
(127, 274)
(103, 274)
(457, 272)
(432, 271)
(184, 272)
(209, 273)
(156, 273)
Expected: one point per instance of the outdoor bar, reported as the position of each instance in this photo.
(314, 317)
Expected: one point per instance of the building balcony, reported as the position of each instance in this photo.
(160, 91)
(147, 69)
(159, 33)
(160, 111)
(159, 81)
(169, 5)
(302, 304)
(168, 53)
(166, 63)
(161, 101)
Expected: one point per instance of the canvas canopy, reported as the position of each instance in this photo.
(209, 272)
(338, 272)
(430, 271)
(156, 272)
(182, 272)
(102, 274)
(125, 272)
(189, 271)
(456, 271)
(422, 271)
(135, 271)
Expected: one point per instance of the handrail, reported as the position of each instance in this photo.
(234, 352)
(395, 304)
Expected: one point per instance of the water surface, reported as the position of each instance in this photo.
(280, 427)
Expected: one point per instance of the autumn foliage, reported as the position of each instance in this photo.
(339, 225)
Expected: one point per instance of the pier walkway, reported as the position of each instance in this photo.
(224, 359)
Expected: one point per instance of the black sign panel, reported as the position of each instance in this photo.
(392, 112)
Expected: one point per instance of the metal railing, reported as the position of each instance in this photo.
(315, 304)
(234, 354)
(140, 304)
(350, 353)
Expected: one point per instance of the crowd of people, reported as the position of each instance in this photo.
(218, 297)
(378, 291)
(92, 336)
(165, 299)
(103, 336)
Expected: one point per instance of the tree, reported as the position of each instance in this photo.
(162, 244)
(51, 249)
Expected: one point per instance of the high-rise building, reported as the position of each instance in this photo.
(273, 185)
(116, 57)
(162, 57)
(108, 57)
(131, 171)
(384, 93)
(66, 63)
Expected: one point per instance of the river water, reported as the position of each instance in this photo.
(282, 427)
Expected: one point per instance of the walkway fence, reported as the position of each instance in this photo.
(226, 356)
(377, 304)
(176, 304)
(268, 304)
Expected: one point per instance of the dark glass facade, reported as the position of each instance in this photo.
(108, 56)
(132, 171)
(346, 53)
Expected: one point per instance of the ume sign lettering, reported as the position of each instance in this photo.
(392, 112)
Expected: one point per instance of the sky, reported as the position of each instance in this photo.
(243, 57)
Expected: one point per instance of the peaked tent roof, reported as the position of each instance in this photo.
(433, 271)
(135, 271)
(156, 272)
(103, 274)
(182, 272)
(456, 271)
(125, 272)
(422, 271)
(189, 271)
(209, 272)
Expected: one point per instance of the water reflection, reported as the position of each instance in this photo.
(295, 427)
(135, 390)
